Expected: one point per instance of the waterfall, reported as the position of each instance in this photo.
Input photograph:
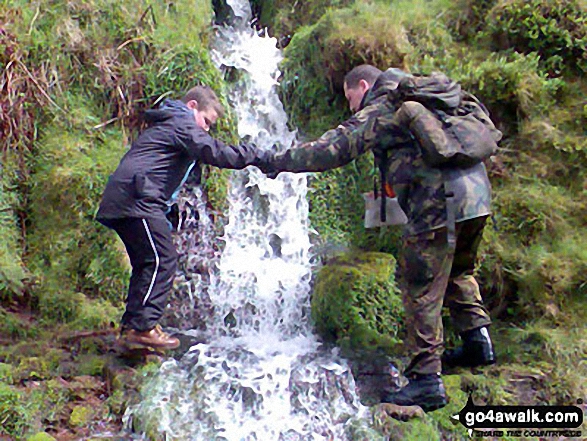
(260, 374)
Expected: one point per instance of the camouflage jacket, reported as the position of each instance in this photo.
(420, 188)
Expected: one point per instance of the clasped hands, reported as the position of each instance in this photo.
(268, 163)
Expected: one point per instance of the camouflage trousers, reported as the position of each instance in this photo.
(432, 275)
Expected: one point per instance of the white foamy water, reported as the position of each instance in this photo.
(261, 373)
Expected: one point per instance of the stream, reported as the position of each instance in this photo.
(257, 371)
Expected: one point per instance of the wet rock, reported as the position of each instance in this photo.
(401, 413)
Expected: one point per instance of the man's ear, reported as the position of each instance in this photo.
(192, 104)
(364, 85)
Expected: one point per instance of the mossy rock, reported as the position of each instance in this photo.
(34, 368)
(42, 436)
(417, 429)
(80, 416)
(356, 302)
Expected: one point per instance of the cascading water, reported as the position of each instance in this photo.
(261, 374)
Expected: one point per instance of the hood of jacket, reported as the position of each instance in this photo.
(435, 90)
(386, 82)
(168, 109)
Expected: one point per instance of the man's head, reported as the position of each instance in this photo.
(357, 82)
(205, 105)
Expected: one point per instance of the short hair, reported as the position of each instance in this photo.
(365, 72)
(205, 97)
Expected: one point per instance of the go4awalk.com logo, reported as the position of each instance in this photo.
(523, 421)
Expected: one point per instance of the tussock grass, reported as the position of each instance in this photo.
(557, 355)
(534, 259)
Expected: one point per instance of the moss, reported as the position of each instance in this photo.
(284, 17)
(41, 436)
(78, 252)
(6, 373)
(413, 430)
(33, 368)
(12, 271)
(117, 402)
(356, 302)
(80, 416)
(12, 412)
(96, 314)
(91, 365)
(15, 327)
(45, 401)
(319, 55)
(441, 418)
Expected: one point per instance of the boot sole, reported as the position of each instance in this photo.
(467, 365)
(430, 406)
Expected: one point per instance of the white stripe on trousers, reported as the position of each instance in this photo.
(156, 261)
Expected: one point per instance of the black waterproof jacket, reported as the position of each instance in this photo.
(160, 160)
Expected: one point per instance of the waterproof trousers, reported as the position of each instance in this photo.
(153, 257)
(431, 275)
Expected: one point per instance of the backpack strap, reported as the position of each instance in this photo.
(382, 180)
(451, 214)
(381, 163)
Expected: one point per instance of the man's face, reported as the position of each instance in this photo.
(354, 95)
(205, 118)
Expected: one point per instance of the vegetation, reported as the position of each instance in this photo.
(532, 262)
(76, 76)
(357, 304)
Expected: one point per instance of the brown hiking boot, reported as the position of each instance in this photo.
(155, 338)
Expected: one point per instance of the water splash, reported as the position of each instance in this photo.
(261, 374)
(198, 250)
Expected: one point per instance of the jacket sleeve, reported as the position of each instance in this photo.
(338, 146)
(208, 150)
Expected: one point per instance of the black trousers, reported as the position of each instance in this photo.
(153, 257)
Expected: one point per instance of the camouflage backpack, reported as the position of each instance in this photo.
(451, 126)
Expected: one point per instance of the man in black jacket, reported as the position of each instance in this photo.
(141, 190)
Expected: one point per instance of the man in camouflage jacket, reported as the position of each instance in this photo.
(431, 272)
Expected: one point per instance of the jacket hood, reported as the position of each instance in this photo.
(436, 90)
(385, 83)
(168, 109)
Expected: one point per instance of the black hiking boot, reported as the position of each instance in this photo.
(426, 391)
(477, 350)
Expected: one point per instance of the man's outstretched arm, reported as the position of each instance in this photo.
(335, 148)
